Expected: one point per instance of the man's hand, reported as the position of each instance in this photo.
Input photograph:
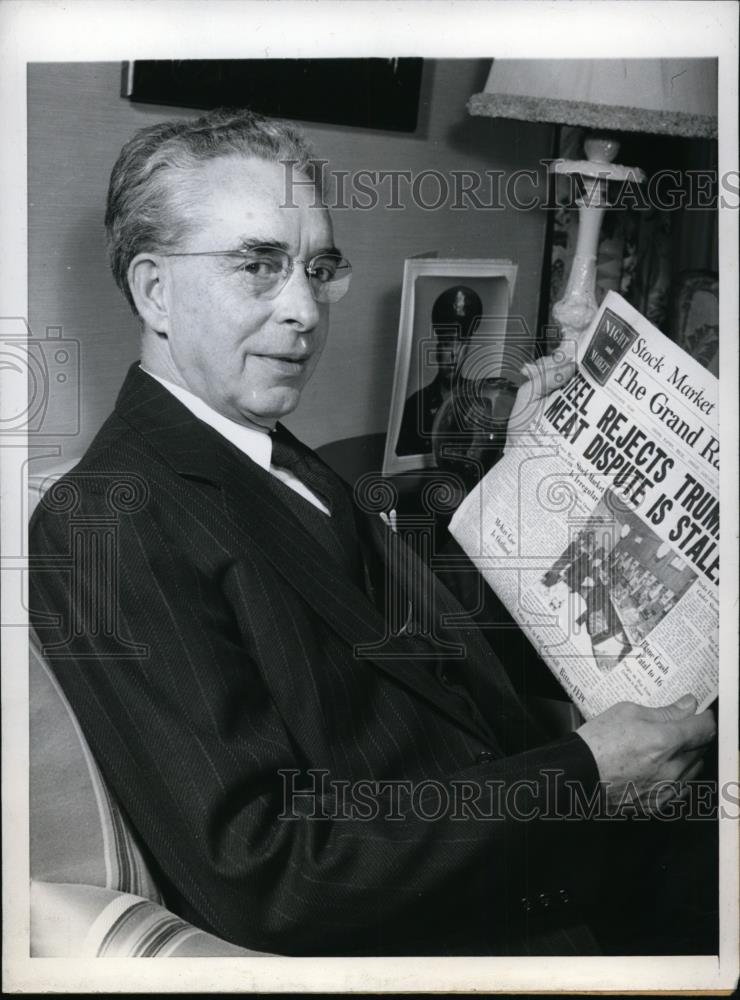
(542, 377)
(642, 749)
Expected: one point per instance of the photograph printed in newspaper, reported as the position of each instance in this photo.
(599, 527)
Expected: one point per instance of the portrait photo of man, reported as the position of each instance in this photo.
(454, 317)
(271, 715)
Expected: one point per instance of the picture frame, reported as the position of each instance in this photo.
(308, 89)
(471, 301)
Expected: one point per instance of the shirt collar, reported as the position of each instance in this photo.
(254, 442)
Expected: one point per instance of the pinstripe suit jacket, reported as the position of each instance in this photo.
(207, 643)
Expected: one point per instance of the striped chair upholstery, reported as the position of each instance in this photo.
(85, 921)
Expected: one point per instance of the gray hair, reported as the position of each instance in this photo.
(140, 213)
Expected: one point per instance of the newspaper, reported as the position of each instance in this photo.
(599, 527)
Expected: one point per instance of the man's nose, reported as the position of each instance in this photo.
(296, 303)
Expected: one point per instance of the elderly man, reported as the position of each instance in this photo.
(281, 753)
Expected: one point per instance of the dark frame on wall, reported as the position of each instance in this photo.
(361, 93)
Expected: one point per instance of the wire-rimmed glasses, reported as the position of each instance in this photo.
(266, 270)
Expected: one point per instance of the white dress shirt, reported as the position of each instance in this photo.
(253, 441)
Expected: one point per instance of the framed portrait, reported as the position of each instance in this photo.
(454, 316)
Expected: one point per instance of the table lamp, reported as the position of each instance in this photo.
(676, 97)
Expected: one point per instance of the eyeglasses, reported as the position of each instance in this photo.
(266, 271)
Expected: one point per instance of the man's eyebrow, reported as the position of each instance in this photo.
(250, 242)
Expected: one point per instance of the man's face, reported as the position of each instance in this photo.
(247, 357)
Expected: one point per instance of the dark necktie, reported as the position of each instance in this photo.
(288, 453)
(338, 533)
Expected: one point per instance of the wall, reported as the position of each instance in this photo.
(77, 123)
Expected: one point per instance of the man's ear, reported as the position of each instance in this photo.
(147, 280)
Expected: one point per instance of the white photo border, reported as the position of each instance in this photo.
(55, 30)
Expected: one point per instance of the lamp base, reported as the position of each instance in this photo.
(578, 305)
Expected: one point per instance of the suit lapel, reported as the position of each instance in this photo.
(254, 518)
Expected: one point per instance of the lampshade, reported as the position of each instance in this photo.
(663, 96)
